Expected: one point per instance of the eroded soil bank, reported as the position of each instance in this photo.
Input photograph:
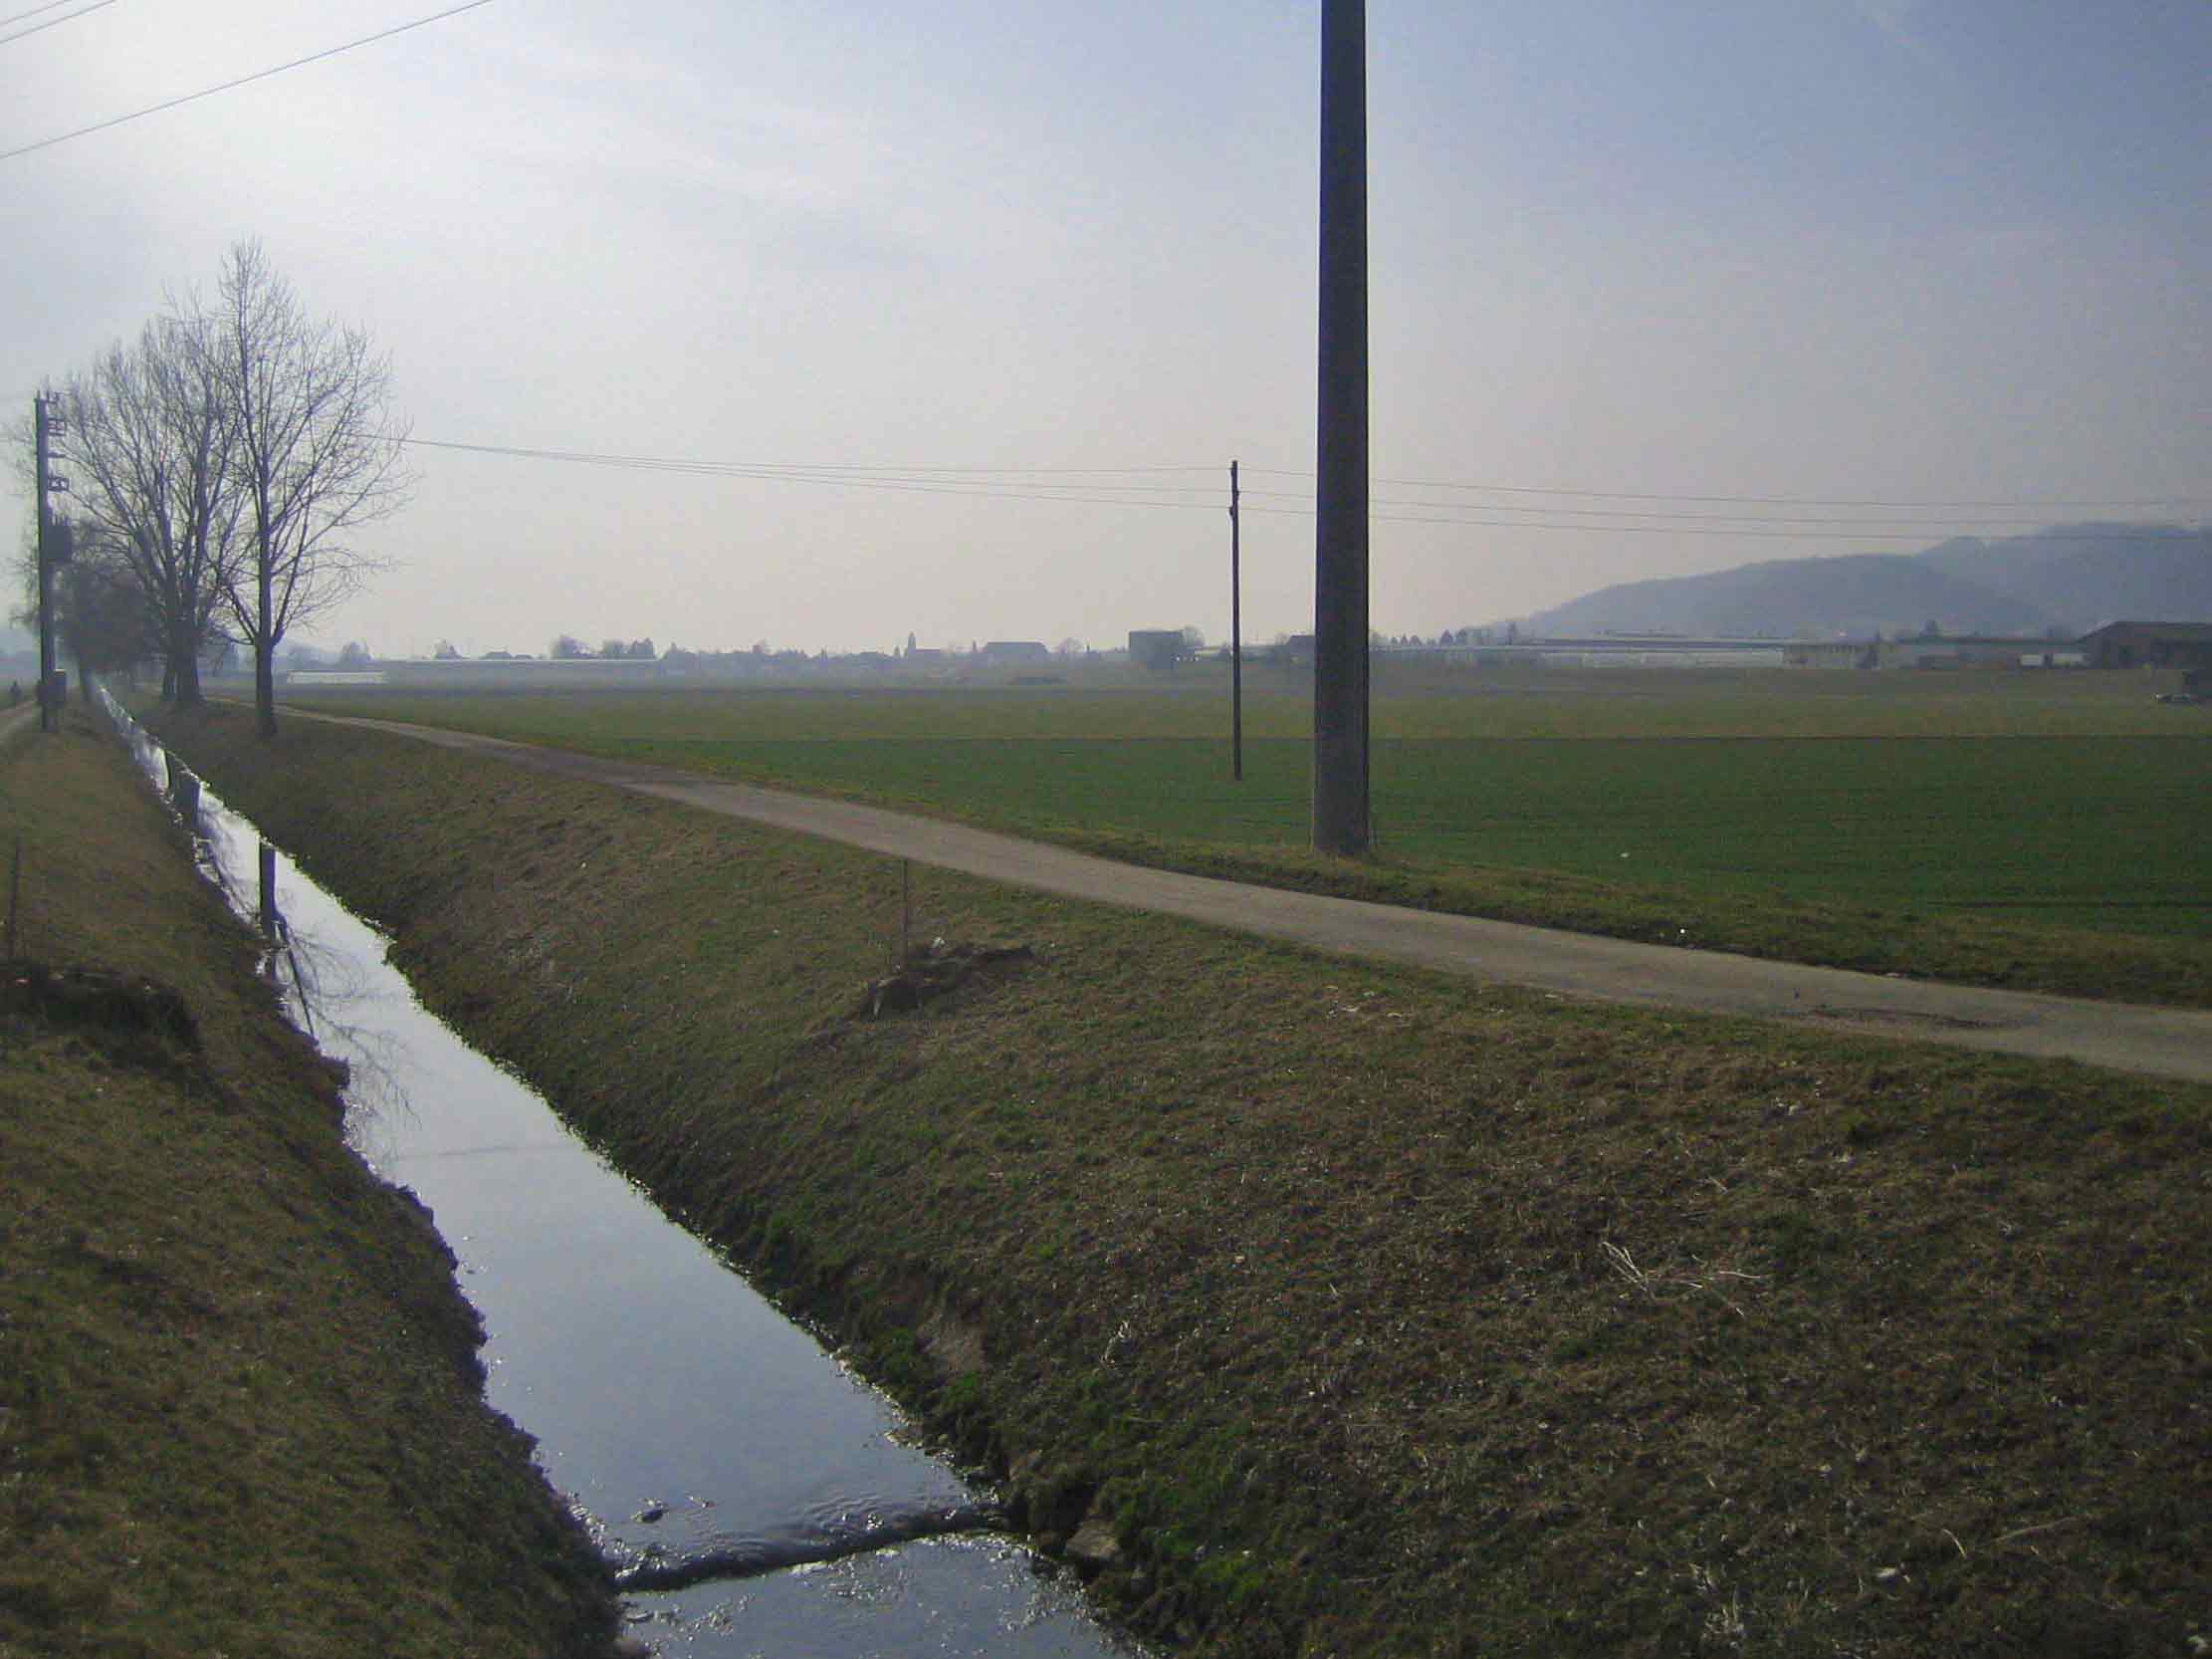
(241, 1409)
(1330, 1310)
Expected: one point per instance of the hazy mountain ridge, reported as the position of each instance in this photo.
(2070, 577)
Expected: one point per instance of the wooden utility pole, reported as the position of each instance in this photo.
(1235, 630)
(1340, 656)
(49, 716)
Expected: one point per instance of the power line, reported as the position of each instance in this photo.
(1035, 484)
(1753, 500)
(53, 22)
(33, 12)
(241, 80)
(788, 466)
(985, 483)
(1829, 520)
(912, 473)
(1860, 536)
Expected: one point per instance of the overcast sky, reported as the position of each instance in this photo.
(1917, 251)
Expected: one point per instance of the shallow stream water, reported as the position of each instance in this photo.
(679, 1411)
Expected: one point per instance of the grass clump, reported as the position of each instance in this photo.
(240, 1405)
(1361, 1311)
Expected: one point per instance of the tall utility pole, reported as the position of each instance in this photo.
(1340, 667)
(49, 716)
(1235, 630)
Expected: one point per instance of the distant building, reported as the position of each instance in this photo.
(1833, 654)
(1966, 650)
(1015, 652)
(2183, 645)
(1155, 648)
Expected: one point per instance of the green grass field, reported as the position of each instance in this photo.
(2009, 828)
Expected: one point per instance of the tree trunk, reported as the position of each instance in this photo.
(264, 689)
(180, 670)
(265, 661)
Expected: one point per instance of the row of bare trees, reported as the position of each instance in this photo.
(220, 466)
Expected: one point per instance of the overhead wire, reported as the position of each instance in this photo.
(1004, 483)
(785, 466)
(51, 5)
(53, 22)
(241, 80)
(1755, 500)
(1829, 520)
(985, 483)
(1860, 536)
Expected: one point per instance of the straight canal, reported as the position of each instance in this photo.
(689, 1421)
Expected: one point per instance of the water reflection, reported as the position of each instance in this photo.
(681, 1412)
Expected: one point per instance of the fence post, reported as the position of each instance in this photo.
(268, 890)
(15, 893)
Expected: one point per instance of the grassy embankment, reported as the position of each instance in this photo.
(2035, 832)
(241, 1410)
(1376, 1313)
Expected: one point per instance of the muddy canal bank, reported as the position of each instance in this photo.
(1323, 1308)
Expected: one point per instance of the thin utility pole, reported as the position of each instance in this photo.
(47, 715)
(1235, 630)
(1340, 655)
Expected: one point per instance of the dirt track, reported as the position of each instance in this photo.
(2172, 1042)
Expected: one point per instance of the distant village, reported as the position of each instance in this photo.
(2182, 647)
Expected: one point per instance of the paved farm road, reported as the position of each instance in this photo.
(2171, 1043)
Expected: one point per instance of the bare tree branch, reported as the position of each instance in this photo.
(316, 448)
(146, 435)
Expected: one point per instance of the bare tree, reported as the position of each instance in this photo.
(316, 445)
(146, 438)
(101, 617)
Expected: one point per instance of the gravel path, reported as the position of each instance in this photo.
(2168, 1043)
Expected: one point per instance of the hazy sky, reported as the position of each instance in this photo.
(1917, 251)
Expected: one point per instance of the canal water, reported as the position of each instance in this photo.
(680, 1412)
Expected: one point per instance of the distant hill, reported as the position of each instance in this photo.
(2092, 574)
(2072, 578)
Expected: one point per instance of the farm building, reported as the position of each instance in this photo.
(2183, 645)
(1831, 653)
(1015, 652)
(1968, 650)
(1155, 648)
